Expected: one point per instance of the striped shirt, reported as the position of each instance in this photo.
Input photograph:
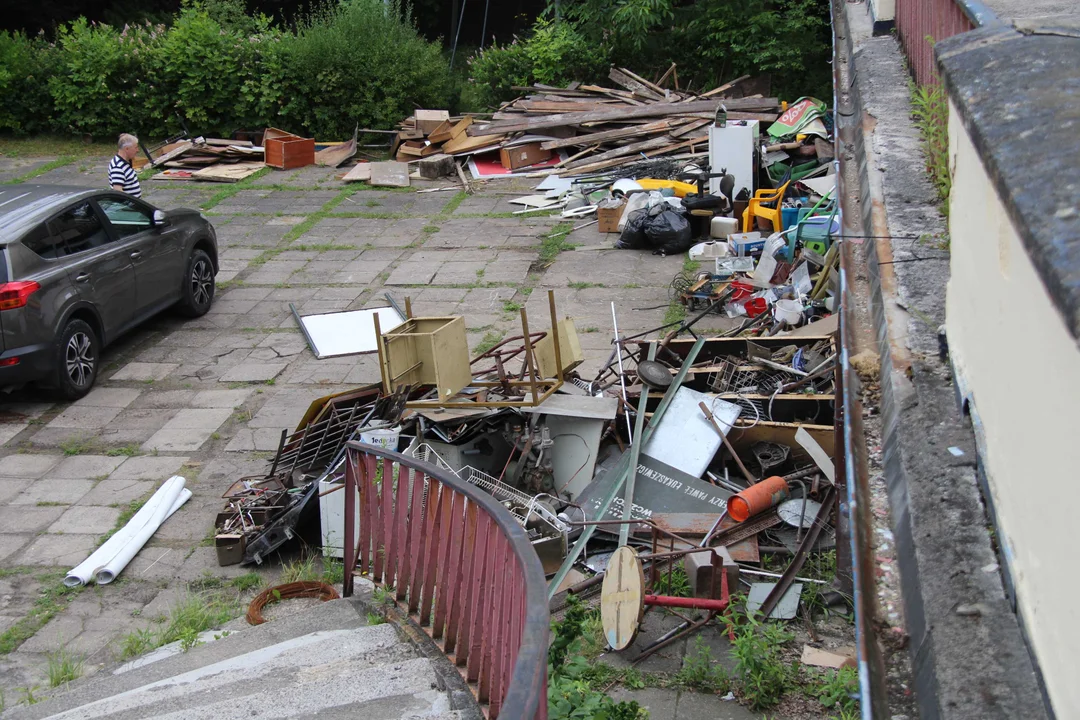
(121, 173)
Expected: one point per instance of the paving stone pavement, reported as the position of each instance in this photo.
(208, 398)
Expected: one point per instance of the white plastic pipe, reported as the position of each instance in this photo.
(167, 500)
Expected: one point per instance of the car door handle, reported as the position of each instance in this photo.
(136, 255)
(82, 277)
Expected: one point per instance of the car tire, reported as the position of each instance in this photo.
(77, 358)
(198, 292)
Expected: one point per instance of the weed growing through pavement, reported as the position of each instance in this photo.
(77, 446)
(491, 339)
(675, 583)
(761, 675)
(555, 242)
(583, 285)
(64, 666)
(53, 598)
(836, 690)
(129, 450)
(700, 672)
(375, 619)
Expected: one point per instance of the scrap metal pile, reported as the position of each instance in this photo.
(708, 453)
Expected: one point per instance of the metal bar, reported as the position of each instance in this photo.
(555, 335)
(529, 359)
(443, 564)
(432, 513)
(416, 538)
(622, 379)
(386, 515)
(681, 602)
(277, 455)
(470, 553)
(383, 370)
(480, 594)
(635, 453)
(348, 545)
(797, 561)
(493, 636)
(366, 476)
(623, 467)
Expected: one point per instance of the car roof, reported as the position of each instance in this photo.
(22, 206)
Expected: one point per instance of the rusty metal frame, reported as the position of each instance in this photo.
(461, 567)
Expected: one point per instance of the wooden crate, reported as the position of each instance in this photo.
(429, 351)
(286, 151)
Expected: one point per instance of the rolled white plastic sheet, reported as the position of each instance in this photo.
(105, 563)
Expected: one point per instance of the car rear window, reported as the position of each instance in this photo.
(79, 228)
(43, 243)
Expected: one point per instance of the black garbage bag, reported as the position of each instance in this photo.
(668, 232)
(633, 234)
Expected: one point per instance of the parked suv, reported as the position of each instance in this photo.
(79, 267)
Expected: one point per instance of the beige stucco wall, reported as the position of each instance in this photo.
(1020, 368)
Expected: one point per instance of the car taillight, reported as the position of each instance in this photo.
(17, 294)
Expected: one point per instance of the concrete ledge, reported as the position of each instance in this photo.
(968, 655)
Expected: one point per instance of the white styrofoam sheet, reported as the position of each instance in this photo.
(685, 439)
(347, 333)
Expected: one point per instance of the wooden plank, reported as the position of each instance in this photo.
(174, 153)
(336, 155)
(466, 143)
(645, 111)
(606, 135)
(359, 172)
(622, 78)
(229, 143)
(389, 174)
(631, 149)
(725, 87)
(568, 106)
(622, 598)
(228, 173)
(623, 160)
(689, 128)
(650, 86)
(454, 132)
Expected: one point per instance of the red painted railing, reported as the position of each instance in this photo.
(920, 24)
(462, 568)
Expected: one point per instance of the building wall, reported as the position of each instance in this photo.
(1019, 367)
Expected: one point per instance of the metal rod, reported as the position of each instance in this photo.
(622, 379)
(555, 335)
(635, 453)
(623, 466)
(727, 443)
(782, 585)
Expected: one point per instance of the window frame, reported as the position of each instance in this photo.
(119, 197)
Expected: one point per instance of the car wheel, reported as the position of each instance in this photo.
(198, 285)
(77, 360)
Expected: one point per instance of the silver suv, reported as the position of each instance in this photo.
(78, 268)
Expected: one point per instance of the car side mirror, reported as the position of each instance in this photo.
(160, 218)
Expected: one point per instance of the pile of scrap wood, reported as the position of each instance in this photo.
(208, 159)
(602, 127)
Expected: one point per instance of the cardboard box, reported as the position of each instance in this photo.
(286, 151)
(607, 218)
(523, 156)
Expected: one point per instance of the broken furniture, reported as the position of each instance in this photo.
(286, 151)
(766, 204)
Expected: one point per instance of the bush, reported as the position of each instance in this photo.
(556, 53)
(360, 62)
(25, 66)
(104, 78)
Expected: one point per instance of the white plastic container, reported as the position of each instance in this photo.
(385, 438)
(787, 311)
(709, 250)
(721, 227)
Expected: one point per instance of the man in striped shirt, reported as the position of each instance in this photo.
(122, 176)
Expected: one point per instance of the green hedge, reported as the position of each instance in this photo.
(357, 62)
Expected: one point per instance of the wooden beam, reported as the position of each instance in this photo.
(725, 87)
(606, 135)
(645, 111)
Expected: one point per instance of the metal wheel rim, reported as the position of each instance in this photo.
(202, 280)
(79, 358)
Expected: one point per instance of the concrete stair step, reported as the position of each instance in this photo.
(363, 672)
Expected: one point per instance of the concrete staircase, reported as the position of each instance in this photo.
(323, 662)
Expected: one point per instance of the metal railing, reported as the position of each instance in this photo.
(921, 23)
(462, 568)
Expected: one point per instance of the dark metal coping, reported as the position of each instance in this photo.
(1018, 95)
(527, 686)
